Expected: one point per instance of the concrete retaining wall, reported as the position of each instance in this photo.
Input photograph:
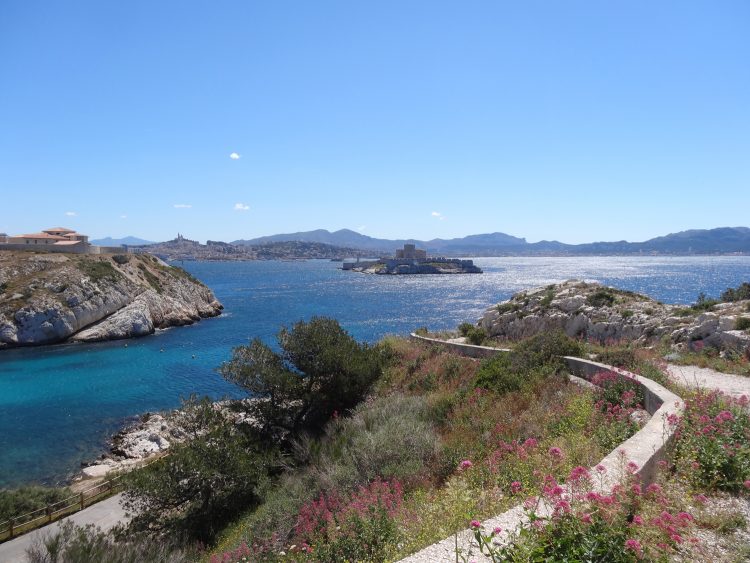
(468, 350)
(645, 448)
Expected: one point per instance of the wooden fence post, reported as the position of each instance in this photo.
(49, 513)
(11, 527)
(81, 500)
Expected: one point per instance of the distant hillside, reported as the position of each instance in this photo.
(723, 240)
(130, 241)
(186, 249)
(352, 239)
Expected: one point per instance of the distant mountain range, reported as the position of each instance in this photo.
(130, 241)
(723, 240)
(352, 239)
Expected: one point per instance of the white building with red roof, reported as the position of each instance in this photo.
(56, 239)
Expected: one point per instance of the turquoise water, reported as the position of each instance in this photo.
(59, 404)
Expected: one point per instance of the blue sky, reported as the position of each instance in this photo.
(578, 121)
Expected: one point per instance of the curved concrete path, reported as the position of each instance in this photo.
(706, 378)
(105, 514)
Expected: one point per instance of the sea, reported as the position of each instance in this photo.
(60, 404)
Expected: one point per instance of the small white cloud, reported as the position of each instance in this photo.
(241, 207)
(123, 216)
(436, 214)
(235, 156)
(361, 227)
(70, 213)
(182, 206)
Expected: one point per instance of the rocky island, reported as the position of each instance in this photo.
(47, 298)
(411, 260)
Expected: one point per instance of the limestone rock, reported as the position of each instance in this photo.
(88, 298)
(594, 312)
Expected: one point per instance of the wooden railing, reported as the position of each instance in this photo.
(19, 525)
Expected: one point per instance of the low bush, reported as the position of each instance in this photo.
(121, 258)
(98, 270)
(17, 502)
(742, 323)
(465, 328)
(737, 294)
(389, 438)
(601, 298)
(72, 544)
(476, 336)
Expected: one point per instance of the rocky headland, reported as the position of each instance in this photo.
(52, 298)
(598, 313)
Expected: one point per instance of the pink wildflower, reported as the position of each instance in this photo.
(724, 416)
(703, 499)
(631, 467)
(465, 464)
(579, 472)
(475, 524)
(653, 488)
(601, 469)
(634, 546)
(555, 452)
(586, 518)
(496, 530)
(637, 520)
(515, 486)
(747, 483)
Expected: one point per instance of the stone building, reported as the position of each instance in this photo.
(410, 252)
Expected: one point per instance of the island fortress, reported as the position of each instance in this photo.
(412, 260)
(57, 239)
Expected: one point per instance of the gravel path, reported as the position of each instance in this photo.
(105, 514)
(693, 376)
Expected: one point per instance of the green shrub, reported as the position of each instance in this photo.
(476, 336)
(204, 483)
(547, 299)
(98, 270)
(627, 313)
(737, 294)
(503, 308)
(742, 323)
(151, 278)
(391, 438)
(601, 298)
(16, 502)
(121, 258)
(619, 357)
(704, 303)
(465, 328)
(535, 357)
(73, 544)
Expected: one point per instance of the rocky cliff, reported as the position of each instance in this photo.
(49, 298)
(598, 313)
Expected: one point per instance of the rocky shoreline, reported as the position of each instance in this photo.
(150, 437)
(138, 442)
